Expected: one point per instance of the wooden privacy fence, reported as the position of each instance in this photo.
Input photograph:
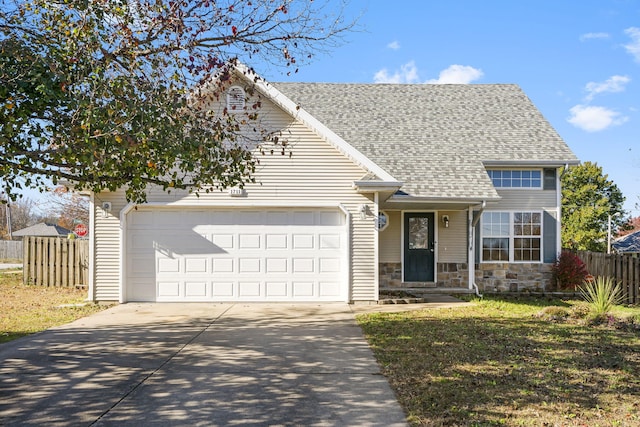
(52, 261)
(623, 269)
(10, 249)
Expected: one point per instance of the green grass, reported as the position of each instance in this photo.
(500, 363)
(29, 309)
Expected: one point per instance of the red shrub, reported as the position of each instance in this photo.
(569, 271)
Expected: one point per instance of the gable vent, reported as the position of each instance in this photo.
(235, 99)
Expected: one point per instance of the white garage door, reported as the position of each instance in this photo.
(236, 255)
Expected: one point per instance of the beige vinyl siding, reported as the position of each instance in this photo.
(524, 199)
(316, 174)
(391, 238)
(452, 241)
(107, 247)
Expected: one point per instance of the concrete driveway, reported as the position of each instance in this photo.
(198, 364)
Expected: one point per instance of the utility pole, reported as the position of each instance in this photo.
(9, 231)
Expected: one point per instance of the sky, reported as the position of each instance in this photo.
(577, 60)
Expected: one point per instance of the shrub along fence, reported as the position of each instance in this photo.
(10, 249)
(622, 268)
(53, 261)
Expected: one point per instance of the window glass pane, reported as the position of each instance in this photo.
(418, 233)
(495, 249)
(526, 249)
(528, 178)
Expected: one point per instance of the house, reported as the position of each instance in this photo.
(448, 187)
(42, 230)
(629, 244)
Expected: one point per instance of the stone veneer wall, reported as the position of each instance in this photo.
(489, 276)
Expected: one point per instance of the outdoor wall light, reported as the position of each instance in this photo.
(363, 210)
(445, 221)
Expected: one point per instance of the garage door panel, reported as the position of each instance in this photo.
(168, 289)
(195, 289)
(303, 241)
(168, 265)
(249, 265)
(276, 241)
(329, 289)
(276, 265)
(302, 289)
(249, 289)
(249, 241)
(223, 241)
(195, 265)
(223, 265)
(329, 265)
(329, 241)
(222, 289)
(303, 265)
(276, 289)
(227, 255)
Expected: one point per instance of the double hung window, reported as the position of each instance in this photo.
(511, 236)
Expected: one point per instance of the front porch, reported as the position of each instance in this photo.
(454, 278)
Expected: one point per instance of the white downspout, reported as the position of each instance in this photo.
(471, 254)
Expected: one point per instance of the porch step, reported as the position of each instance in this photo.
(418, 291)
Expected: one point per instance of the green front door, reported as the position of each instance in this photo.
(419, 247)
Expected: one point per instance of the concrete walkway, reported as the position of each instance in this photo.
(198, 364)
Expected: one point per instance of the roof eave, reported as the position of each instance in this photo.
(543, 163)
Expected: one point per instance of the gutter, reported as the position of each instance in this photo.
(472, 226)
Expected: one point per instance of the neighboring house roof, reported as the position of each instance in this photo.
(42, 230)
(436, 139)
(628, 243)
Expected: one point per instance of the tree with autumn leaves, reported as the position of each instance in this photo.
(589, 199)
(108, 94)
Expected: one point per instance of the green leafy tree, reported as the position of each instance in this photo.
(109, 94)
(588, 199)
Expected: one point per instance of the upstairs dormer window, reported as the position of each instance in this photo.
(235, 99)
(516, 178)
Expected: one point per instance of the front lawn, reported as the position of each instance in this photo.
(500, 363)
(29, 309)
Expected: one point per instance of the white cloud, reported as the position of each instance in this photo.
(634, 47)
(594, 119)
(612, 84)
(461, 74)
(408, 74)
(591, 36)
(395, 45)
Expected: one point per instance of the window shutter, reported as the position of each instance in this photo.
(549, 182)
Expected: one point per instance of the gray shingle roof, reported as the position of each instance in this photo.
(629, 243)
(435, 138)
(43, 230)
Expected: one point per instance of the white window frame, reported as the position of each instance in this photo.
(539, 187)
(512, 236)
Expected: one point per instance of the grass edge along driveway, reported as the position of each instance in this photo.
(499, 363)
(27, 309)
